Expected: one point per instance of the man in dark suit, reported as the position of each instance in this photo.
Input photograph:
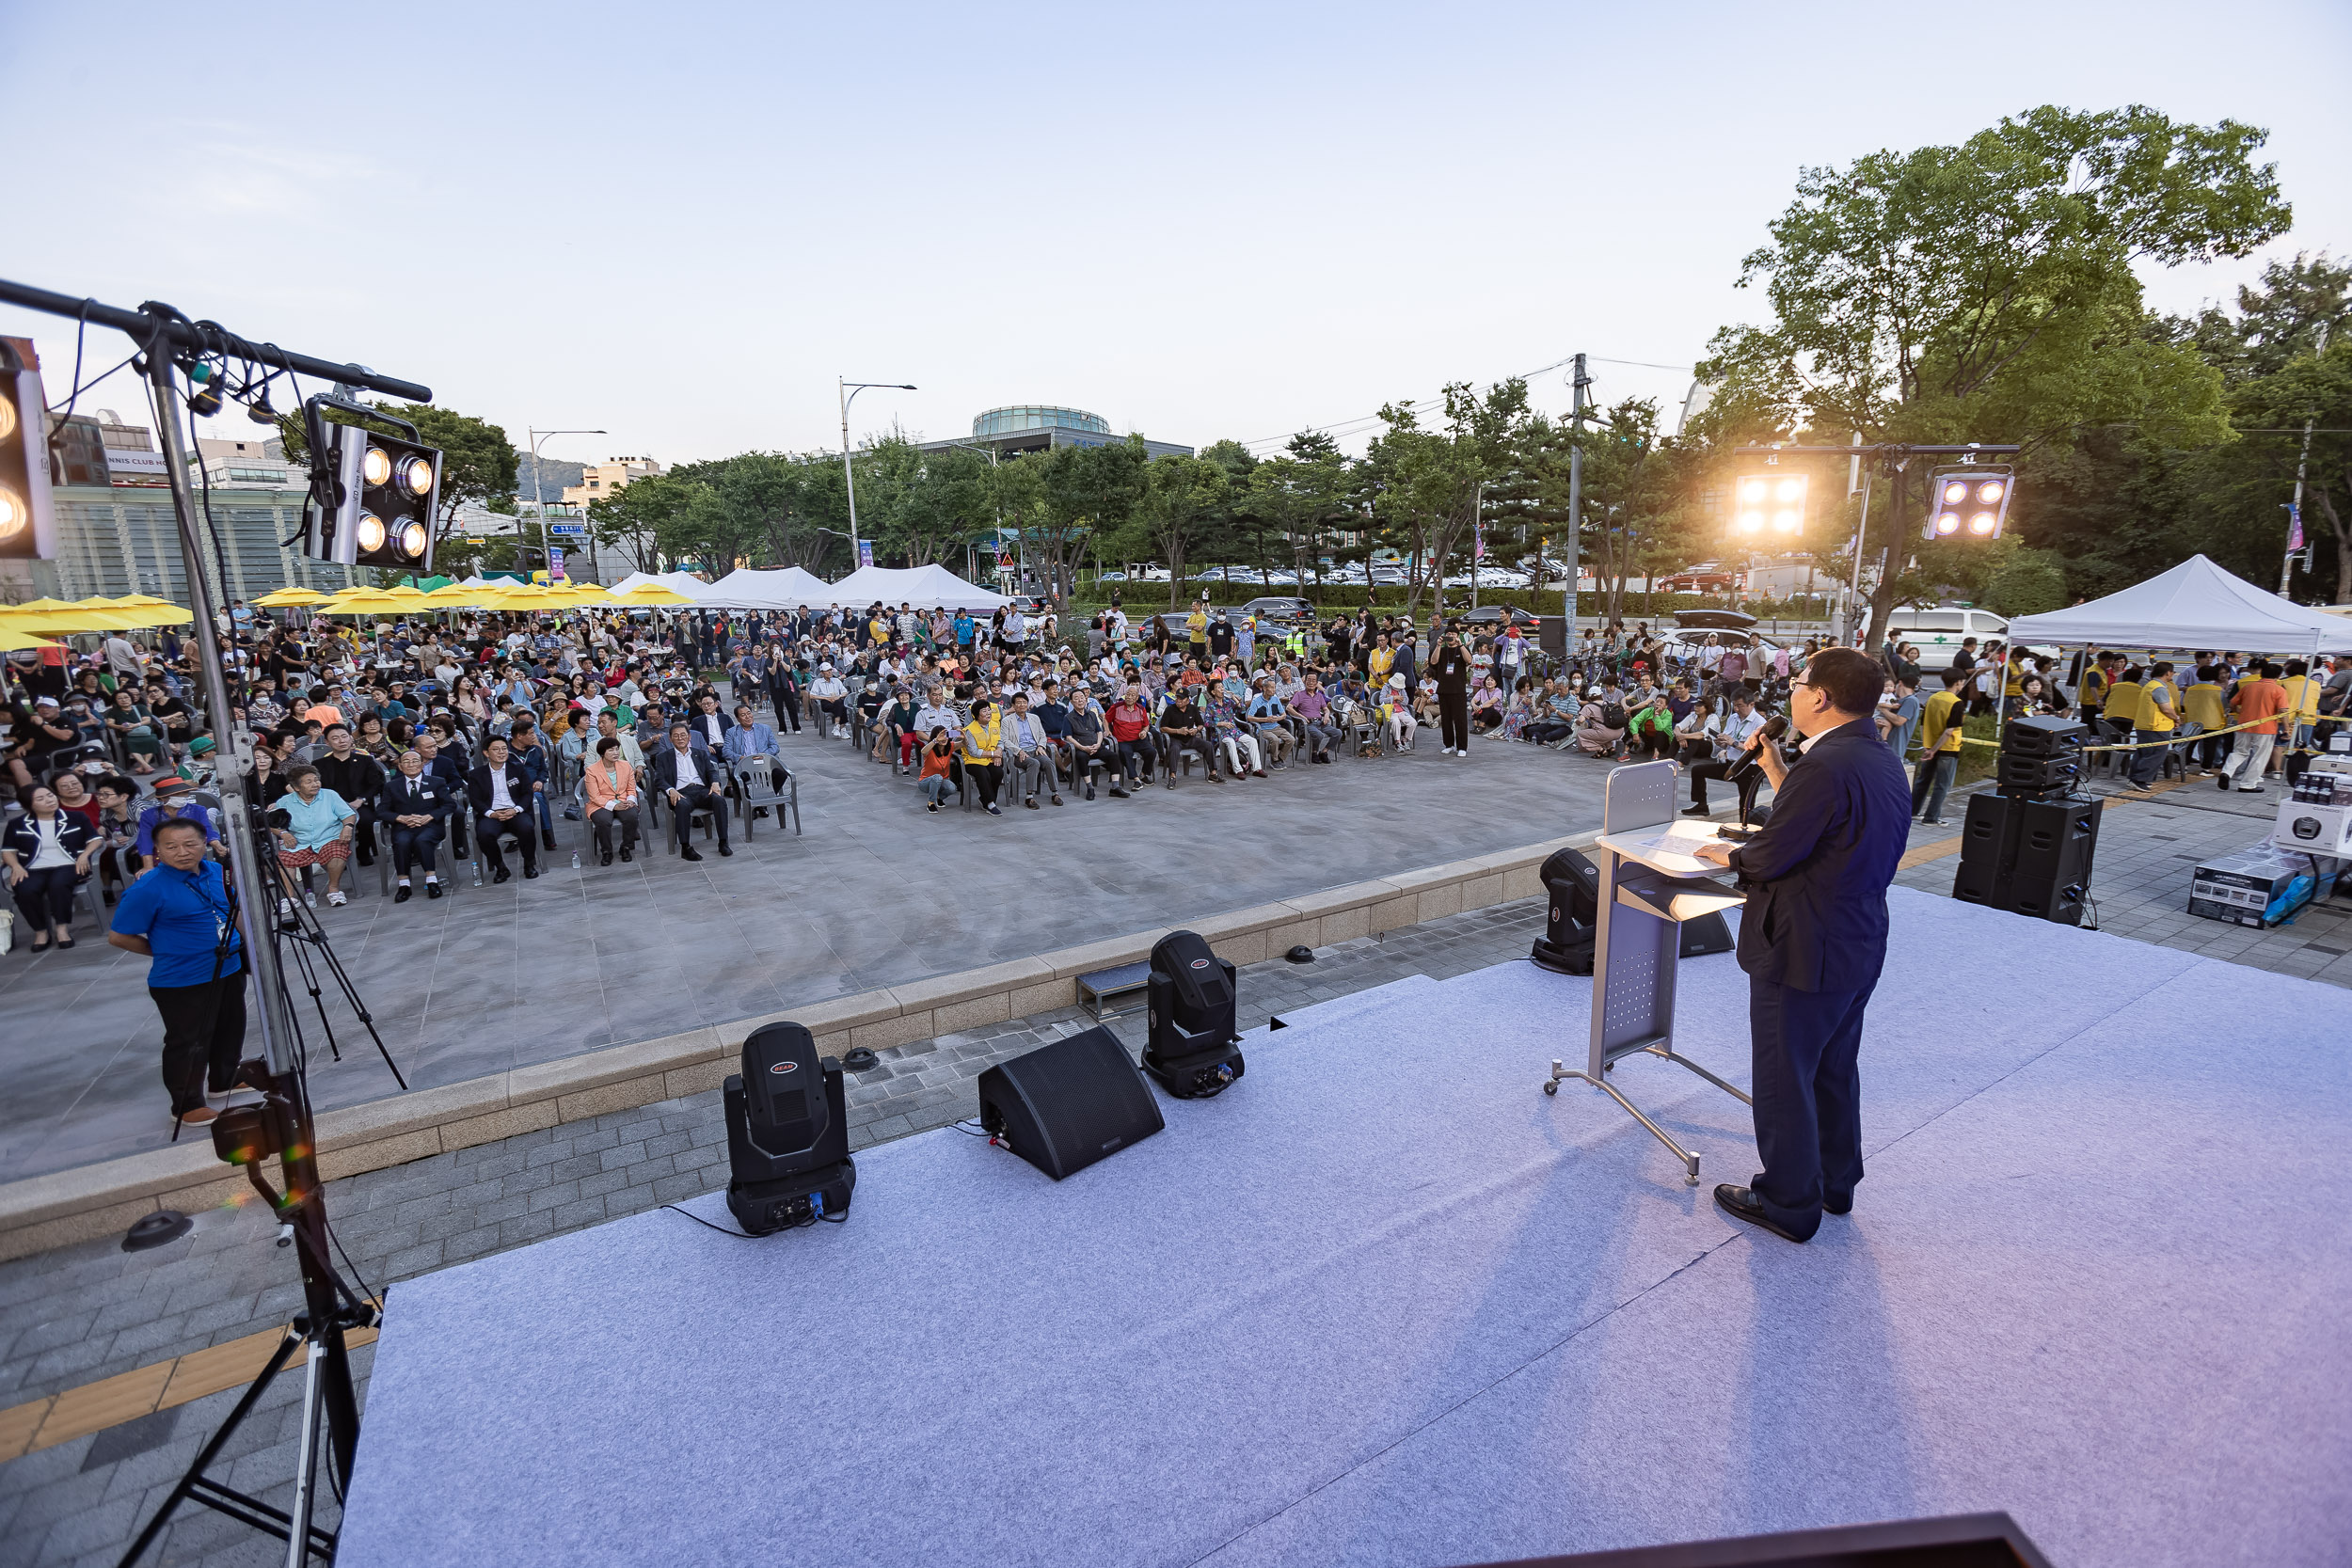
(1813, 937)
(416, 805)
(499, 791)
(689, 776)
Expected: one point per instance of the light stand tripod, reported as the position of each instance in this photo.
(282, 1125)
(299, 933)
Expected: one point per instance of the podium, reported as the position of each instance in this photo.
(1650, 883)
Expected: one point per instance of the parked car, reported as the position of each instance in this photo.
(1111, 577)
(1281, 609)
(1942, 628)
(1488, 618)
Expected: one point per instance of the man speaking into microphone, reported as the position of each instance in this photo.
(1813, 937)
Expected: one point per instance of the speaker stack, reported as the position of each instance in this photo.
(2026, 848)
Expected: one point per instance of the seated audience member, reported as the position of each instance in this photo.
(117, 859)
(499, 792)
(1184, 729)
(1130, 725)
(1400, 725)
(354, 775)
(174, 799)
(416, 807)
(315, 826)
(1089, 737)
(47, 851)
(1028, 754)
(936, 777)
(1595, 736)
(749, 741)
(611, 787)
(691, 777)
(984, 748)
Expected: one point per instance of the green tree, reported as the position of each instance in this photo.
(662, 519)
(1181, 496)
(1429, 495)
(1986, 291)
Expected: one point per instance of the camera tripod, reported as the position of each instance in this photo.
(297, 933)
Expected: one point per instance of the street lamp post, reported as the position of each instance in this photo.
(539, 492)
(847, 391)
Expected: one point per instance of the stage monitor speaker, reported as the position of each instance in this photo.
(2043, 736)
(1192, 1044)
(787, 1134)
(1956, 1541)
(1065, 1105)
(2044, 899)
(2056, 839)
(2014, 773)
(1573, 883)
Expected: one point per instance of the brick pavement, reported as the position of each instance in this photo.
(91, 1312)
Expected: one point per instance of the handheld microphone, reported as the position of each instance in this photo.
(1774, 727)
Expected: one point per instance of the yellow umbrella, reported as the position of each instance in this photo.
(150, 611)
(454, 595)
(16, 641)
(363, 601)
(404, 591)
(289, 597)
(65, 620)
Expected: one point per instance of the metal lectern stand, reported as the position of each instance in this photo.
(1647, 889)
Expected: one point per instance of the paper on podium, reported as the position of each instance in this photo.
(1670, 847)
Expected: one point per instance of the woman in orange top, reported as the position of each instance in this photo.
(939, 756)
(612, 785)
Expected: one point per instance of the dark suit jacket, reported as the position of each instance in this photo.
(519, 789)
(1817, 875)
(426, 796)
(714, 772)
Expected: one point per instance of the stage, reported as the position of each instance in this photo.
(1385, 1302)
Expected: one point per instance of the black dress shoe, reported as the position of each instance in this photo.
(502, 876)
(1741, 1203)
(689, 853)
(531, 873)
(432, 890)
(1837, 1205)
(625, 855)
(604, 856)
(404, 894)
(725, 852)
(546, 839)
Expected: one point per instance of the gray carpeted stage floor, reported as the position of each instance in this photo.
(1387, 1303)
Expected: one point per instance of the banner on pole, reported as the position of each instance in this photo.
(2295, 528)
(866, 552)
(555, 565)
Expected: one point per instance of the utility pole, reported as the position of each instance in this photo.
(847, 391)
(1849, 621)
(1575, 497)
(2295, 514)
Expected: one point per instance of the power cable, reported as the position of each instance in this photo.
(1344, 427)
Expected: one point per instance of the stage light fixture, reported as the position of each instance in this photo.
(1769, 500)
(375, 502)
(1970, 502)
(27, 529)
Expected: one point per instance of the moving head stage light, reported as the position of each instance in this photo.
(1192, 1049)
(788, 1134)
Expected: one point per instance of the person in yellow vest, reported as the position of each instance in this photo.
(2158, 715)
(2205, 708)
(2302, 689)
(983, 752)
(1939, 752)
(2121, 710)
(2092, 692)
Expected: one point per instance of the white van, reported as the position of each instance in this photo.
(1943, 628)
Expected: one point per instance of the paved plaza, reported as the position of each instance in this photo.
(81, 1315)
(874, 892)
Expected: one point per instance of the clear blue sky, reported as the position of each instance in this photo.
(680, 222)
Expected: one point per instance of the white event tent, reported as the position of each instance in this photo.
(686, 583)
(785, 588)
(2194, 606)
(931, 587)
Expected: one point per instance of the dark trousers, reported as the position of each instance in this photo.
(1137, 757)
(1658, 743)
(1808, 1099)
(203, 1037)
(488, 829)
(691, 799)
(1749, 783)
(363, 837)
(2146, 765)
(1932, 781)
(1454, 717)
(414, 847)
(601, 821)
(47, 896)
(787, 706)
(987, 777)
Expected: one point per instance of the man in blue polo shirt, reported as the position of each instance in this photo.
(179, 915)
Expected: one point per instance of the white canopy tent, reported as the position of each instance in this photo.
(931, 587)
(2194, 606)
(687, 583)
(785, 588)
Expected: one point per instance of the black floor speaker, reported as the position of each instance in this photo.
(1065, 1105)
(2037, 774)
(2043, 736)
(1573, 883)
(2030, 857)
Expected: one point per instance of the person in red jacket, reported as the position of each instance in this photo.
(1131, 730)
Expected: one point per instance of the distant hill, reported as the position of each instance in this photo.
(553, 473)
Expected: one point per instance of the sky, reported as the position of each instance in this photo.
(680, 224)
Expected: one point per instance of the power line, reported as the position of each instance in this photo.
(1345, 427)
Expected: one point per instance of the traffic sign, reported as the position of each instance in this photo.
(568, 530)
